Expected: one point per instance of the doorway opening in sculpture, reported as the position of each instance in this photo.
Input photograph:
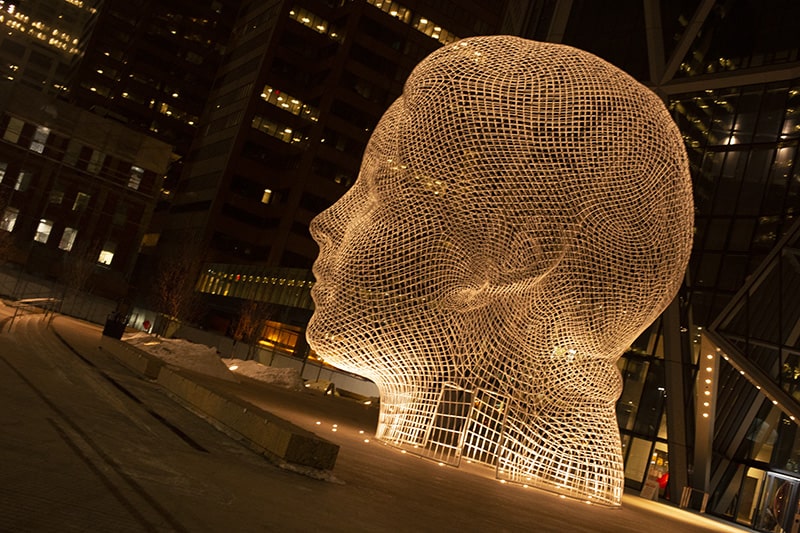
(467, 424)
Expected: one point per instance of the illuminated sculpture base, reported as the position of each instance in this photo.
(479, 426)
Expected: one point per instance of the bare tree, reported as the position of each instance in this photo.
(174, 286)
(253, 316)
(78, 265)
(6, 237)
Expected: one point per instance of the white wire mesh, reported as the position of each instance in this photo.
(522, 213)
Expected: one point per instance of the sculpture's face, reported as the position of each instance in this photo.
(379, 270)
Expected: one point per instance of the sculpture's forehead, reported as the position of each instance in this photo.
(480, 67)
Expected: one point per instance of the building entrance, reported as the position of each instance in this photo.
(778, 510)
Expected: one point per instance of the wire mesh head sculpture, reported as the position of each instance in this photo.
(522, 213)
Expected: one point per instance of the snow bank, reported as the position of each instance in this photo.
(205, 360)
(182, 353)
(287, 378)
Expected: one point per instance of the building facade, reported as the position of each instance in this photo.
(150, 64)
(41, 39)
(301, 87)
(75, 188)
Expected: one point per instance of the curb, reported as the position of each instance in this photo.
(276, 438)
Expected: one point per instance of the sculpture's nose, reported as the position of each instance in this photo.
(328, 228)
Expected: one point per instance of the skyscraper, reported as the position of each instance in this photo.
(150, 64)
(40, 40)
(301, 86)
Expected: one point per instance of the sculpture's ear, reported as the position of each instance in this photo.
(507, 267)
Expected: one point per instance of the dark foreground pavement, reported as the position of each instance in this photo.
(87, 445)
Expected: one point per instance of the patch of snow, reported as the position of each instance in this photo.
(183, 354)
(206, 360)
(287, 378)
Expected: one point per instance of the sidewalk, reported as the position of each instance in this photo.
(142, 474)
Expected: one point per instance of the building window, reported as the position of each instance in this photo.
(3, 167)
(278, 131)
(13, 130)
(267, 196)
(9, 219)
(43, 230)
(23, 180)
(68, 239)
(150, 239)
(81, 202)
(120, 215)
(96, 162)
(72, 153)
(135, 177)
(433, 30)
(289, 103)
(107, 253)
(39, 139)
(315, 22)
(56, 196)
(392, 8)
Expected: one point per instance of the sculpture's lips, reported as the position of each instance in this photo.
(319, 293)
(315, 291)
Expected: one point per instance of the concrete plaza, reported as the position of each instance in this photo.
(88, 445)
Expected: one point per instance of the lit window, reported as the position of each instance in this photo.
(39, 139)
(276, 130)
(13, 130)
(392, 8)
(289, 103)
(81, 201)
(68, 239)
(135, 178)
(23, 180)
(265, 198)
(315, 22)
(43, 230)
(150, 239)
(107, 253)
(433, 31)
(3, 167)
(9, 219)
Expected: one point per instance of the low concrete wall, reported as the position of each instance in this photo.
(278, 439)
(274, 435)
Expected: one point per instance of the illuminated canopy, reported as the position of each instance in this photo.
(522, 213)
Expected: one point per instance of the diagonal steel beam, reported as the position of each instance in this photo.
(655, 39)
(688, 37)
(558, 23)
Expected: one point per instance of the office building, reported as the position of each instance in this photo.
(151, 64)
(293, 105)
(75, 189)
(41, 39)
